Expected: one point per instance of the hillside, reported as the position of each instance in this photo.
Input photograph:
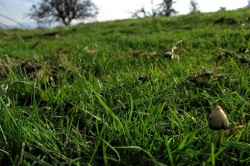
(107, 93)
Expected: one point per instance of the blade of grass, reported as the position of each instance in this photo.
(169, 151)
(131, 110)
(189, 138)
(104, 148)
(97, 143)
(138, 148)
(176, 116)
(118, 155)
(34, 158)
(107, 108)
(214, 156)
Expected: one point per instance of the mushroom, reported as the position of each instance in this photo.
(169, 55)
(218, 121)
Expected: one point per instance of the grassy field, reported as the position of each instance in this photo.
(105, 94)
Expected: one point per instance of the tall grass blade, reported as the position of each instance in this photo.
(170, 156)
(34, 158)
(107, 108)
(113, 148)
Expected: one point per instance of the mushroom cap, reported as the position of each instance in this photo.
(218, 119)
(168, 55)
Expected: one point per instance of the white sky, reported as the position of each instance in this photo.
(112, 9)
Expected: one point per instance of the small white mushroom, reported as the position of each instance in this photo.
(218, 121)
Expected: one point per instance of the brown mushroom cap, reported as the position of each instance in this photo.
(218, 119)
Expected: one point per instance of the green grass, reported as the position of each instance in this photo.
(103, 93)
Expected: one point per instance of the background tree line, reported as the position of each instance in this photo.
(64, 11)
(163, 9)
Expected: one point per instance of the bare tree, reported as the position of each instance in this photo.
(144, 12)
(193, 7)
(138, 12)
(166, 8)
(63, 11)
(222, 9)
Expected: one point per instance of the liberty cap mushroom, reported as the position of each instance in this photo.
(218, 121)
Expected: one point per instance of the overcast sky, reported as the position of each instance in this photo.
(111, 9)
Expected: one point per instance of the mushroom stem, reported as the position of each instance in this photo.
(219, 139)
